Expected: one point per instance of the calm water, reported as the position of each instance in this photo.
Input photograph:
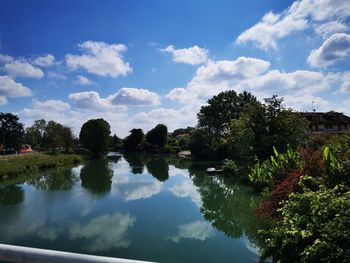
(148, 207)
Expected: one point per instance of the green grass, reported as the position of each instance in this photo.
(20, 165)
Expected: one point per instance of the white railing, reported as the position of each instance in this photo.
(11, 253)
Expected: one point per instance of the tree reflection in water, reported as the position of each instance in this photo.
(55, 180)
(158, 167)
(228, 206)
(136, 162)
(11, 195)
(96, 176)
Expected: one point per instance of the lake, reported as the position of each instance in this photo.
(148, 207)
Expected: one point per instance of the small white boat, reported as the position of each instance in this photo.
(211, 170)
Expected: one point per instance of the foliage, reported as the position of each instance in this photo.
(34, 134)
(315, 227)
(133, 140)
(115, 142)
(262, 126)
(230, 167)
(221, 109)
(94, 135)
(11, 131)
(340, 145)
(158, 136)
(276, 168)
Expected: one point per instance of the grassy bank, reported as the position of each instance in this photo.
(18, 165)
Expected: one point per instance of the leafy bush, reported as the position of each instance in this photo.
(230, 167)
(276, 168)
(315, 227)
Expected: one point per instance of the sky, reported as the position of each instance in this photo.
(139, 63)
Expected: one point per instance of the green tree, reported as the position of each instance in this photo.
(52, 137)
(94, 136)
(133, 140)
(264, 126)
(11, 131)
(35, 133)
(221, 109)
(158, 136)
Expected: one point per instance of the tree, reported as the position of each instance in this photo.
(158, 136)
(133, 140)
(116, 142)
(11, 131)
(52, 137)
(34, 134)
(94, 135)
(264, 126)
(221, 109)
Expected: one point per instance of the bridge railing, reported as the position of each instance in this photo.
(10, 253)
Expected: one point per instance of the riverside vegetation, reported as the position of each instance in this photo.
(303, 181)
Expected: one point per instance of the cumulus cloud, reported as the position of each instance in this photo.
(44, 61)
(198, 230)
(18, 68)
(193, 55)
(91, 100)
(217, 76)
(51, 105)
(84, 81)
(329, 28)
(101, 59)
(5, 58)
(335, 48)
(135, 97)
(10, 88)
(104, 232)
(298, 17)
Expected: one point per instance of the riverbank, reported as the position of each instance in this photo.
(18, 165)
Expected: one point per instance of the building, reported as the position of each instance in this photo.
(327, 122)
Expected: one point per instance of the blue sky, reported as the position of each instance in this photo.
(139, 63)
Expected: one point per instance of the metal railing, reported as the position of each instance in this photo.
(20, 254)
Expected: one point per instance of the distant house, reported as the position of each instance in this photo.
(25, 148)
(327, 122)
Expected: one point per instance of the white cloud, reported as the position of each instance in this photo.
(91, 100)
(199, 230)
(135, 189)
(336, 47)
(104, 232)
(18, 68)
(271, 28)
(329, 28)
(101, 59)
(173, 118)
(298, 17)
(3, 100)
(56, 75)
(10, 88)
(84, 81)
(217, 76)
(193, 55)
(44, 61)
(135, 97)
(51, 105)
(5, 58)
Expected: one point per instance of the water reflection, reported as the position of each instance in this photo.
(136, 162)
(198, 230)
(96, 176)
(55, 180)
(229, 207)
(11, 195)
(158, 167)
(104, 232)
